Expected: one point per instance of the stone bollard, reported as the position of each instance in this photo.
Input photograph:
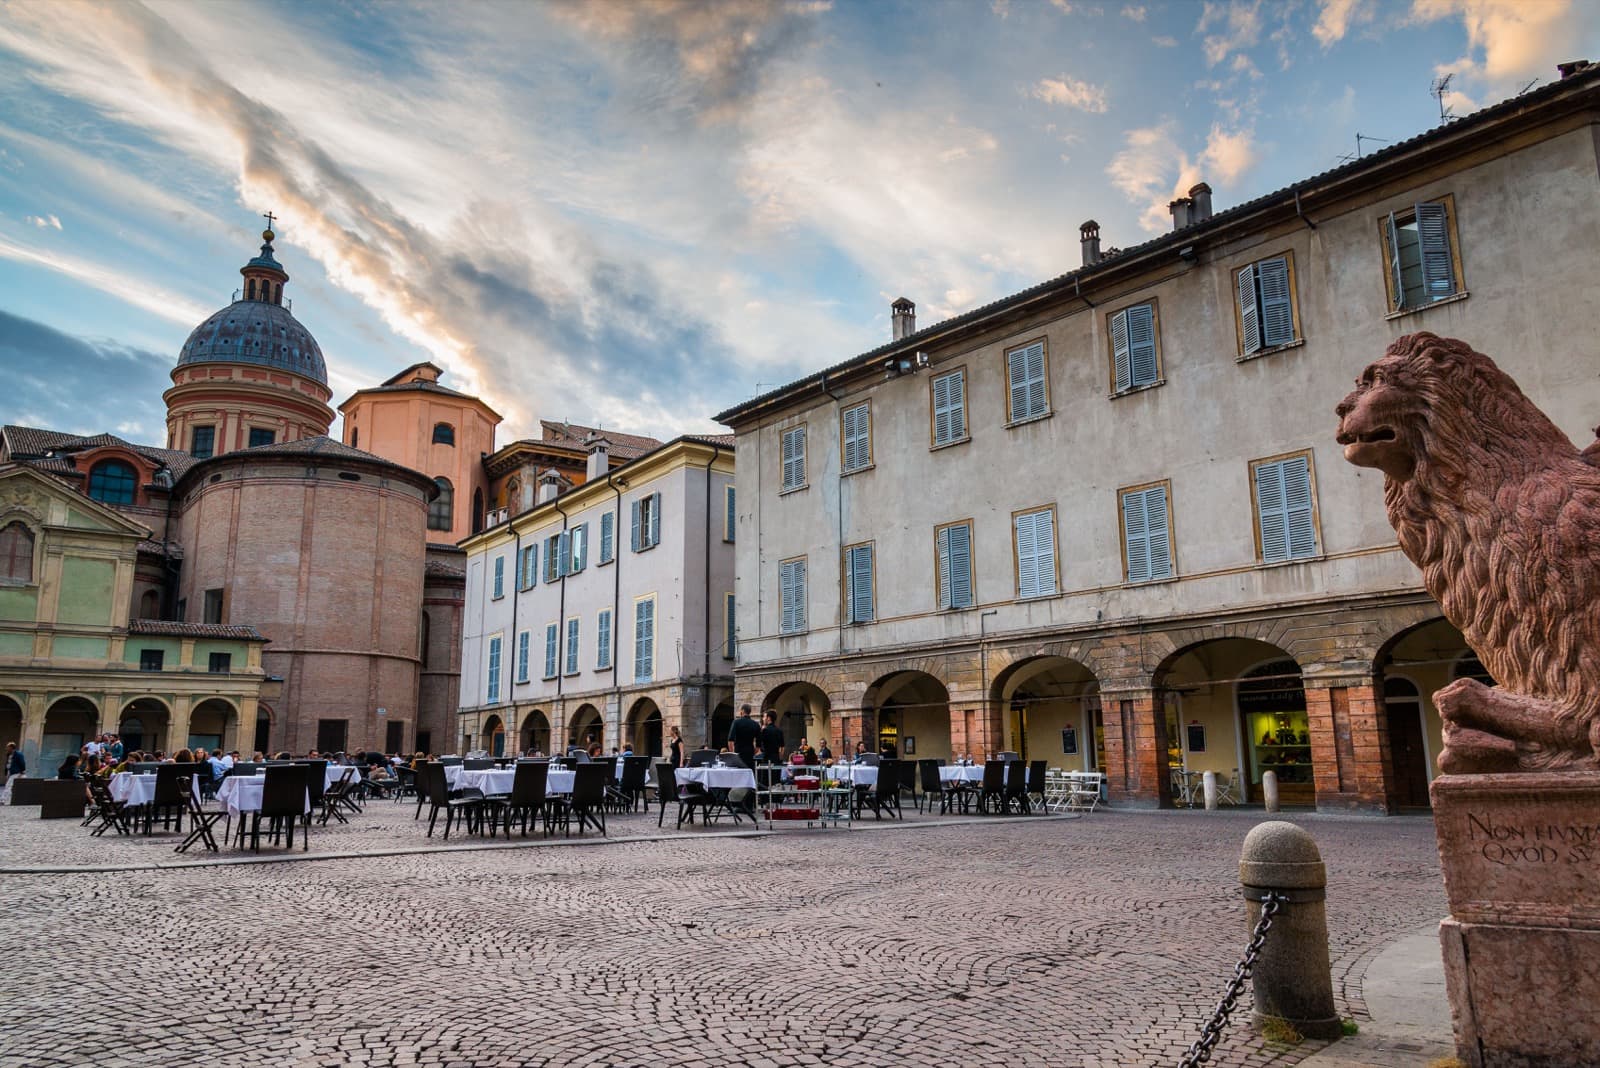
(1292, 979)
(1211, 791)
(1269, 790)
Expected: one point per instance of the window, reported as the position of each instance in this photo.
(112, 482)
(355, 437)
(602, 638)
(1036, 552)
(572, 646)
(16, 553)
(444, 434)
(494, 670)
(730, 517)
(441, 508)
(857, 584)
(151, 659)
(1265, 308)
(513, 496)
(202, 442)
(552, 635)
(213, 607)
(220, 663)
(528, 567)
(578, 548)
(949, 407)
(728, 621)
(1135, 361)
(855, 437)
(1027, 392)
(953, 552)
(260, 436)
(647, 522)
(1146, 533)
(522, 656)
(644, 639)
(1286, 526)
(794, 459)
(331, 735)
(792, 580)
(555, 556)
(608, 537)
(499, 577)
(1420, 248)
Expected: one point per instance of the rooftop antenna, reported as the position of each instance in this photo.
(1530, 85)
(1361, 139)
(1437, 90)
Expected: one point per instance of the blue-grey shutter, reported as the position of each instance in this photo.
(794, 457)
(572, 646)
(949, 408)
(792, 579)
(1433, 237)
(608, 536)
(1136, 536)
(942, 553)
(1017, 373)
(1270, 512)
(1396, 275)
(728, 606)
(1119, 351)
(1142, 344)
(1037, 402)
(494, 670)
(644, 624)
(531, 570)
(655, 519)
(858, 563)
(499, 576)
(635, 543)
(1277, 303)
(1249, 321)
(552, 557)
(522, 656)
(519, 570)
(603, 640)
(955, 561)
(1027, 557)
(580, 548)
(550, 639)
(857, 437)
(1159, 533)
(730, 518)
(1300, 528)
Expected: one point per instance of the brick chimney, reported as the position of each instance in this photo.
(1181, 210)
(903, 314)
(1201, 196)
(599, 457)
(1089, 239)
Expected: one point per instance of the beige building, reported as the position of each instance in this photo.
(1104, 522)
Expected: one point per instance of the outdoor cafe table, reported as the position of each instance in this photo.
(499, 780)
(717, 778)
(858, 774)
(242, 793)
(134, 790)
(961, 773)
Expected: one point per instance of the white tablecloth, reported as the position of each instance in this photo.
(134, 790)
(242, 793)
(490, 781)
(859, 774)
(559, 780)
(718, 778)
(957, 773)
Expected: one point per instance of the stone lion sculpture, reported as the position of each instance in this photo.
(1502, 514)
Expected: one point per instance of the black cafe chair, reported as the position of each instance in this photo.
(283, 803)
(200, 821)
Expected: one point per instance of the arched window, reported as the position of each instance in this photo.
(150, 605)
(112, 482)
(440, 510)
(513, 502)
(16, 552)
(355, 437)
(250, 289)
(444, 434)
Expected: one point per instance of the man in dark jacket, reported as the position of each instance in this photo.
(743, 735)
(772, 739)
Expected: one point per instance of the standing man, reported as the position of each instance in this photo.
(16, 767)
(772, 739)
(743, 735)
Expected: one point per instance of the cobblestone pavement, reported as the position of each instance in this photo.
(1094, 942)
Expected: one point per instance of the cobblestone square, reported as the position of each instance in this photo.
(1091, 942)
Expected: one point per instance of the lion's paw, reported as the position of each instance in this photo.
(1457, 701)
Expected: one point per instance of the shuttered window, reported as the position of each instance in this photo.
(572, 646)
(602, 638)
(555, 552)
(522, 656)
(729, 515)
(528, 568)
(644, 640)
(1285, 516)
(552, 636)
(794, 458)
(1027, 396)
(577, 548)
(728, 646)
(608, 537)
(953, 548)
(499, 577)
(1146, 534)
(792, 580)
(950, 407)
(858, 607)
(1036, 553)
(1266, 305)
(646, 522)
(1422, 266)
(856, 436)
(494, 670)
(1133, 347)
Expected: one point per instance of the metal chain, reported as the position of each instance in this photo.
(1211, 1034)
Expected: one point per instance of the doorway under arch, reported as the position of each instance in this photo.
(10, 724)
(1410, 668)
(213, 724)
(144, 724)
(644, 728)
(721, 724)
(494, 736)
(802, 709)
(69, 723)
(534, 735)
(910, 716)
(1052, 708)
(587, 729)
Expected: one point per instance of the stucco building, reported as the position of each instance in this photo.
(1104, 521)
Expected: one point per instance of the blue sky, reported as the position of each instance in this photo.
(636, 214)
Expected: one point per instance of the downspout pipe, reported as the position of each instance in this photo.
(838, 506)
(616, 592)
(705, 679)
(516, 644)
(561, 614)
(1300, 213)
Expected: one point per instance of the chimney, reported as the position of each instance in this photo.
(549, 485)
(903, 314)
(1201, 196)
(1571, 67)
(1089, 239)
(1181, 210)
(599, 457)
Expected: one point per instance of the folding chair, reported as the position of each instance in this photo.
(200, 821)
(106, 809)
(339, 795)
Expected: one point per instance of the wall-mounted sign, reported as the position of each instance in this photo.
(1069, 741)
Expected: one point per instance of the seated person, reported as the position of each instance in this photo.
(68, 768)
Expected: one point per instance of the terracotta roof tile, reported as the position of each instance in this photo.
(170, 629)
(623, 446)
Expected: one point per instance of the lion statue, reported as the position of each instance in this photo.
(1502, 514)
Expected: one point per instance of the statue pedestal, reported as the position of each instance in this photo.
(1521, 859)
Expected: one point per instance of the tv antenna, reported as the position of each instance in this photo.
(1361, 140)
(1437, 90)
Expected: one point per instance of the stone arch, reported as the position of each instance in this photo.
(144, 722)
(10, 724)
(802, 709)
(1050, 707)
(1426, 656)
(644, 729)
(493, 739)
(721, 724)
(262, 738)
(214, 724)
(534, 734)
(908, 703)
(586, 728)
(70, 721)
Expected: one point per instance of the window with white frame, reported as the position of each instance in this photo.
(552, 638)
(494, 670)
(644, 639)
(729, 515)
(1420, 247)
(602, 638)
(953, 552)
(577, 548)
(1035, 534)
(858, 589)
(1027, 390)
(572, 646)
(528, 567)
(794, 458)
(1135, 353)
(1146, 533)
(646, 522)
(522, 656)
(855, 437)
(555, 556)
(792, 581)
(1286, 522)
(499, 577)
(728, 622)
(949, 407)
(1265, 293)
(608, 537)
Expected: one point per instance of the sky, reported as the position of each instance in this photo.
(636, 214)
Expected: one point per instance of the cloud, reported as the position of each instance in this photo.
(44, 222)
(1238, 28)
(1164, 41)
(1511, 41)
(1336, 17)
(1153, 169)
(1070, 92)
(149, 295)
(47, 371)
(1136, 12)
